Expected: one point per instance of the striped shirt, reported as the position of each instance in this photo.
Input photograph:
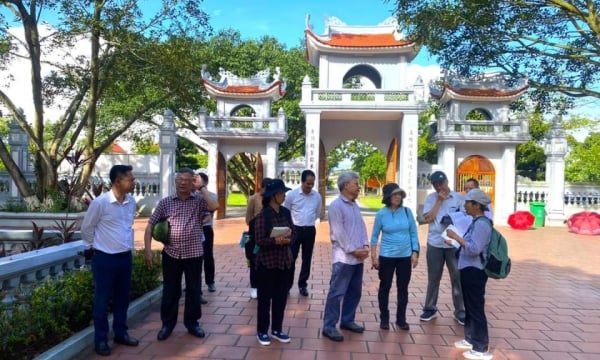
(347, 230)
(185, 218)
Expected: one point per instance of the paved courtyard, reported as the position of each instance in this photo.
(548, 308)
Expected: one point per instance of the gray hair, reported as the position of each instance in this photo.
(345, 178)
(186, 170)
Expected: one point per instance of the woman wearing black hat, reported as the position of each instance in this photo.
(398, 253)
(273, 262)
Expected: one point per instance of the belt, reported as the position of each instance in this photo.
(121, 254)
(304, 227)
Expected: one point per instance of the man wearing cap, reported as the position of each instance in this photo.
(305, 205)
(438, 205)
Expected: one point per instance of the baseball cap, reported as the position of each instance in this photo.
(438, 177)
(478, 196)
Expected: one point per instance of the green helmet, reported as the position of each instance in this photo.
(160, 231)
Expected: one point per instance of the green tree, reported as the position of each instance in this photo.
(554, 42)
(245, 58)
(375, 167)
(188, 155)
(582, 163)
(136, 65)
(354, 150)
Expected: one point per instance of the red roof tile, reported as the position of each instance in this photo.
(361, 40)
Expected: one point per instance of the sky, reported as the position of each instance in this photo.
(285, 20)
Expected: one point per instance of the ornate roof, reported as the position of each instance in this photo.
(482, 87)
(257, 86)
(384, 37)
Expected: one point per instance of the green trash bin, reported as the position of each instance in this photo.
(538, 209)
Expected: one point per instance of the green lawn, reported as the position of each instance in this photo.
(236, 199)
(370, 202)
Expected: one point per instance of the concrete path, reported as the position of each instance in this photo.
(548, 308)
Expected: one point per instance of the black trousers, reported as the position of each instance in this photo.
(304, 237)
(473, 281)
(272, 298)
(173, 270)
(209, 258)
(388, 266)
(253, 274)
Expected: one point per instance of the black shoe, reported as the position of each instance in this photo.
(126, 340)
(354, 327)
(164, 333)
(402, 326)
(102, 348)
(384, 325)
(333, 335)
(303, 291)
(203, 300)
(211, 288)
(196, 331)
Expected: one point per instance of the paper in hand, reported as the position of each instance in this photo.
(446, 237)
(279, 231)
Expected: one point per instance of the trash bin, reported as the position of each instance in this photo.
(538, 209)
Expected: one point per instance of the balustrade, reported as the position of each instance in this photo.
(19, 273)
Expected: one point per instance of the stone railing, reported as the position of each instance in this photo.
(449, 129)
(350, 96)
(23, 271)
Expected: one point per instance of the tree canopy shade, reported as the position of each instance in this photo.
(135, 65)
(555, 42)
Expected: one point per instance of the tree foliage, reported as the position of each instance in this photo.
(582, 164)
(375, 167)
(356, 151)
(135, 65)
(556, 43)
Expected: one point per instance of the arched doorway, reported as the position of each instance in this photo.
(479, 168)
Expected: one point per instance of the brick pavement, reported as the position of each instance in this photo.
(548, 308)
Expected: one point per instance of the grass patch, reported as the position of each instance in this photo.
(236, 199)
(370, 202)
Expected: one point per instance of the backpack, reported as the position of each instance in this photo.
(497, 263)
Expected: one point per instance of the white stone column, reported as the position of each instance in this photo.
(211, 171)
(407, 164)
(312, 148)
(504, 203)
(447, 156)
(555, 150)
(168, 144)
(271, 160)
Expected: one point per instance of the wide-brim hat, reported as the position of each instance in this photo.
(391, 189)
(274, 187)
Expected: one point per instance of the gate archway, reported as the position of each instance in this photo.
(479, 168)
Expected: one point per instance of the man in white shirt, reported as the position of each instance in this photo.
(108, 228)
(305, 206)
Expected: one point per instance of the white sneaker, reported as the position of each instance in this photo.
(253, 293)
(463, 344)
(476, 355)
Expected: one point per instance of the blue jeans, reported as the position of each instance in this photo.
(345, 289)
(112, 280)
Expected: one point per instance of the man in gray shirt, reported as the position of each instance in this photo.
(437, 206)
